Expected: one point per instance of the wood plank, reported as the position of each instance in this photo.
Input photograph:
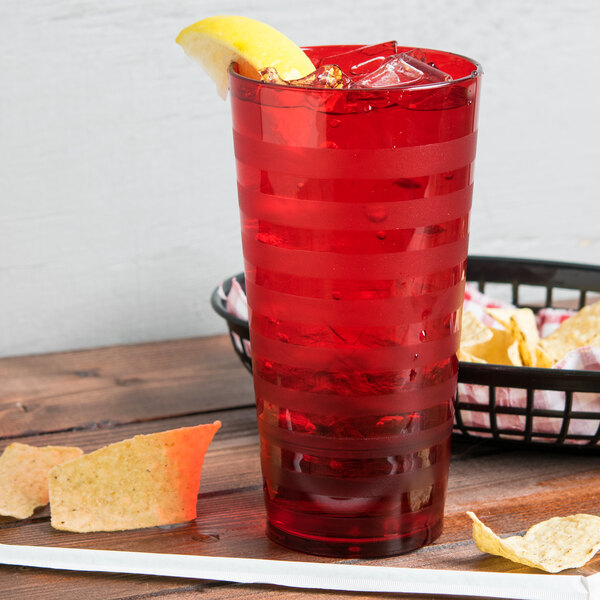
(67, 585)
(110, 386)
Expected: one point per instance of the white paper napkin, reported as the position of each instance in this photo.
(309, 575)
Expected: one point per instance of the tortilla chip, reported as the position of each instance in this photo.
(521, 324)
(144, 481)
(513, 354)
(501, 349)
(554, 545)
(525, 331)
(582, 329)
(502, 315)
(24, 476)
(543, 359)
(468, 357)
(473, 331)
(483, 344)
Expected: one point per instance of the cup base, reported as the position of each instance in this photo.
(377, 548)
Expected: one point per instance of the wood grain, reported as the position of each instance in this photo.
(113, 386)
(510, 489)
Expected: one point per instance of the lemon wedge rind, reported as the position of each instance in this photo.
(216, 42)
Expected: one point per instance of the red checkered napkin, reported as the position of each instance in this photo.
(236, 302)
(548, 319)
(476, 302)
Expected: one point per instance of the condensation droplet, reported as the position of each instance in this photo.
(376, 213)
(335, 465)
(336, 295)
(381, 235)
(423, 335)
(335, 122)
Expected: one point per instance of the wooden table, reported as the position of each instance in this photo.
(92, 398)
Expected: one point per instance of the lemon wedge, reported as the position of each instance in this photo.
(216, 42)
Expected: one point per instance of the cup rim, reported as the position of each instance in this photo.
(476, 72)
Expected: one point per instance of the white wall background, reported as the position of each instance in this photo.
(117, 185)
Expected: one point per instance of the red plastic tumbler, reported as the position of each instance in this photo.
(355, 218)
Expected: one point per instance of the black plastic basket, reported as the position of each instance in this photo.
(546, 277)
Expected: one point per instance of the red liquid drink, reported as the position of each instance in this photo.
(355, 210)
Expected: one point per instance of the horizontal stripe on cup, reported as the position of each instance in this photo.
(330, 265)
(387, 358)
(331, 465)
(353, 382)
(368, 487)
(372, 312)
(357, 289)
(351, 191)
(355, 406)
(364, 426)
(338, 526)
(355, 447)
(372, 163)
(363, 241)
(326, 336)
(319, 214)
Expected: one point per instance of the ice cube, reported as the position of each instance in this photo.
(271, 75)
(407, 68)
(431, 74)
(362, 60)
(326, 76)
